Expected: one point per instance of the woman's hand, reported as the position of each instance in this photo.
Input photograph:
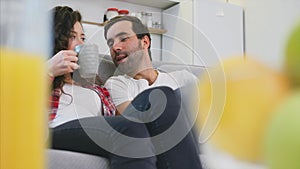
(62, 63)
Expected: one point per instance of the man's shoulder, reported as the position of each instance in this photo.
(118, 78)
(178, 78)
(182, 74)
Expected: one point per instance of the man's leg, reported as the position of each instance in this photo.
(169, 127)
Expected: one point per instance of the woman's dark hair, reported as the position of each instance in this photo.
(137, 27)
(64, 19)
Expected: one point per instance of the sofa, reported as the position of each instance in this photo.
(61, 159)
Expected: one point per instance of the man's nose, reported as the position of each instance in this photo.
(117, 47)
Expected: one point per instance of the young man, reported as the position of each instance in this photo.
(129, 42)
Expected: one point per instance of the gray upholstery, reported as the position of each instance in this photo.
(106, 68)
(59, 159)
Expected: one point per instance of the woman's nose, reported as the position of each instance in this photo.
(80, 41)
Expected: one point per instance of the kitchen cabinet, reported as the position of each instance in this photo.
(202, 32)
(177, 43)
(218, 33)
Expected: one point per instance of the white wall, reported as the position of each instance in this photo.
(268, 25)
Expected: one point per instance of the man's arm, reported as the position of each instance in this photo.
(121, 107)
(119, 92)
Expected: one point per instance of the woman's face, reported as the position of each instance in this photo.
(77, 36)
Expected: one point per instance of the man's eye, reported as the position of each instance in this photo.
(123, 39)
(83, 39)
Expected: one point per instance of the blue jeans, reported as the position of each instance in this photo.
(146, 141)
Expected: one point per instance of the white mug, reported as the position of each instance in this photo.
(88, 60)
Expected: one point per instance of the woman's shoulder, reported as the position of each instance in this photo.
(76, 90)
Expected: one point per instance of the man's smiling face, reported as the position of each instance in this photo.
(127, 51)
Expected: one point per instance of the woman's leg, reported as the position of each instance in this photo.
(170, 129)
(90, 135)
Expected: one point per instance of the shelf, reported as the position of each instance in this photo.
(157, 31)
(94, 23)
(162, 4)
(151, 30)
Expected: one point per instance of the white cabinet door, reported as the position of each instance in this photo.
(177, 43)
(202, 32)
(218, 33)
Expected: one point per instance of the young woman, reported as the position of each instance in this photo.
(82, 119)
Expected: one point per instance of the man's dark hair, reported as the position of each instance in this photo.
(137, 27)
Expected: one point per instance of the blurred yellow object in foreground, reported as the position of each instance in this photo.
(252, 91)
(22, 117)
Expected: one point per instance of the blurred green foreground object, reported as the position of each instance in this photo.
(282, 148)
(292, 60)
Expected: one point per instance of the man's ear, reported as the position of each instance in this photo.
(146, 41)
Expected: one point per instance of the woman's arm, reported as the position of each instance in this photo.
(63, 62)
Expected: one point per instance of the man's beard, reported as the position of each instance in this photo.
(135, 63)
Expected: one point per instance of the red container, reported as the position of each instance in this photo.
(123, 12)
(112, 12)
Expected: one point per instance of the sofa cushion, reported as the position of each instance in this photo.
(61, 159)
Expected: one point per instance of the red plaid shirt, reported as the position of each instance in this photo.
(108, 108)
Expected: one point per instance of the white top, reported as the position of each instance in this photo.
(124, 88)
(82, 102)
